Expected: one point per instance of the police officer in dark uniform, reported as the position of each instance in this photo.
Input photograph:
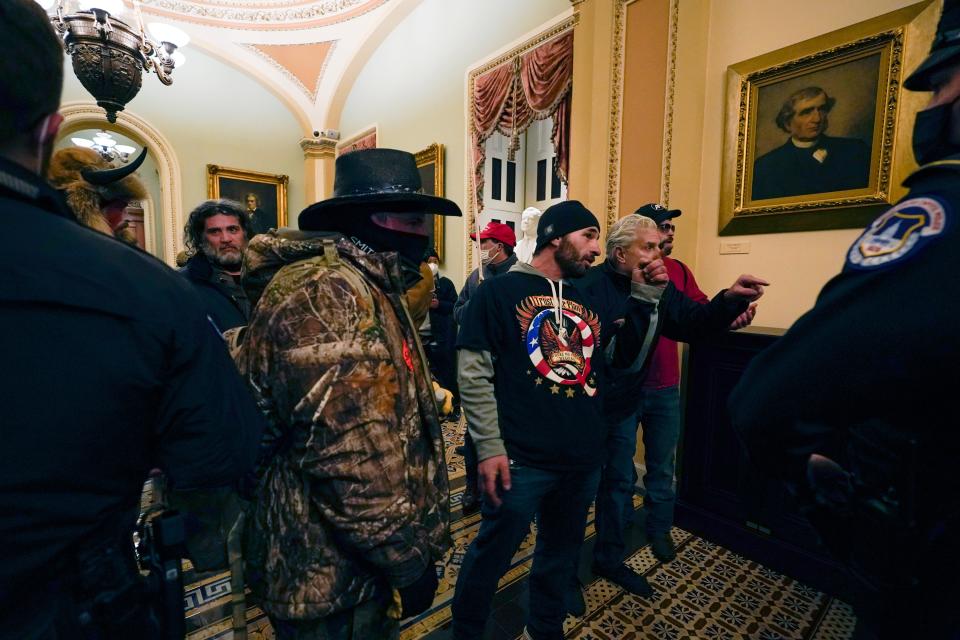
(855, 406)
(108, 368)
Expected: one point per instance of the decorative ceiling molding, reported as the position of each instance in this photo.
(262, 16)
(302, 64)
(319, 148)
(250, 5)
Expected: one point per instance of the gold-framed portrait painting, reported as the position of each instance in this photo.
(430, 166)
(817, 134)
(264, 195)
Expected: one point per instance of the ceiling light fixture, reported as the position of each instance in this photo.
(109, 56)
(104, 144)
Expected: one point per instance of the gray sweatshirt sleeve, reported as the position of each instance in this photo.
(475, 375)
(640, 329)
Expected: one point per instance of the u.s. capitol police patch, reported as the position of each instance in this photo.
(900, 232)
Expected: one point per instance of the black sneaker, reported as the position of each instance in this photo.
(626, 578)
(662, 546)
(574, 601)
(470, 503)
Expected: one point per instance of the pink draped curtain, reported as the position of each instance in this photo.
(534, 86)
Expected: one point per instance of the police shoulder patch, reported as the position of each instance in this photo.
(902, 231)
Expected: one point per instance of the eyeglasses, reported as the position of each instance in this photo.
(666, 226)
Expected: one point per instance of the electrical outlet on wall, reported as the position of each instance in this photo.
(734, 246)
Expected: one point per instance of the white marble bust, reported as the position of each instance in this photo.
(528, 234)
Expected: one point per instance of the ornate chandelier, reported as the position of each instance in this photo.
(109, 56)
(104, 144)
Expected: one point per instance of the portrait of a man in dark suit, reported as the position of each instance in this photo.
(259, 218)
(810, 161)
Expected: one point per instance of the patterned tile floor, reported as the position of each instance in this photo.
(707, 592)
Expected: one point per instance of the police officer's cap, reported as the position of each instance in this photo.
(945, 50)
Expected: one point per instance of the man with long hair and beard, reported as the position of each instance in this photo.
(217, 231)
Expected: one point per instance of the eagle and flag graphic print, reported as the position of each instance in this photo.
(548, 357)
(560, 343)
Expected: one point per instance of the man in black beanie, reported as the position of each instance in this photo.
(533, 355)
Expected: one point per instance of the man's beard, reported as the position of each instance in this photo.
(231, 261)
(569, 260)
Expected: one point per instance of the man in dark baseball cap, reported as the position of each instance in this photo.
(662, 216)
(658, 213)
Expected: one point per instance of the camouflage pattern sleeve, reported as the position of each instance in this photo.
(329, 372)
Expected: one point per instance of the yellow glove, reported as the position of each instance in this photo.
(444, 399)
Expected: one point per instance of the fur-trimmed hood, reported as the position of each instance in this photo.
(86, 199)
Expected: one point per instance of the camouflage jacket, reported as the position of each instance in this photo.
(352, 493)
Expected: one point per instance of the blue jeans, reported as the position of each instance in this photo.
(659, 413)
(560, 499)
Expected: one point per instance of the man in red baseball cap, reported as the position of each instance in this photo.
(497, 241)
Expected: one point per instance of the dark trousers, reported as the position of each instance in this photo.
(659, 411)
(560, 499)
(368, 620)
(614, 494)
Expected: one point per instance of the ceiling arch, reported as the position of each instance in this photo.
(306, 52)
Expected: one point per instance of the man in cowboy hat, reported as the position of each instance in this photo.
(351, 505)
(111, 368)
(854, 405)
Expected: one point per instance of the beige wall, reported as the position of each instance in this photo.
(797, 264)
(413, 86)
(214, 114)
(645, 67)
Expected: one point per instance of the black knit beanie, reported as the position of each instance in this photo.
(563, 218)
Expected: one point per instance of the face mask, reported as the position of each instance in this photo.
(486, 257)
(931, 134)
(434, 269)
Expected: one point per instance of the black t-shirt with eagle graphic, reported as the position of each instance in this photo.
(548, 368)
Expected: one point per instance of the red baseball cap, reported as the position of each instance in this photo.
(497, 231)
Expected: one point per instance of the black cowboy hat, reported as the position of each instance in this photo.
(944, 51)
(376, 180)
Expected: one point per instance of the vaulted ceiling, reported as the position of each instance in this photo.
(307, 52)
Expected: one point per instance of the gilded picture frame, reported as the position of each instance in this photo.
(817, 134)
(263, 194)
(430, 165)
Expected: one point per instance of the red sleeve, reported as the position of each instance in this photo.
(692, 289)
